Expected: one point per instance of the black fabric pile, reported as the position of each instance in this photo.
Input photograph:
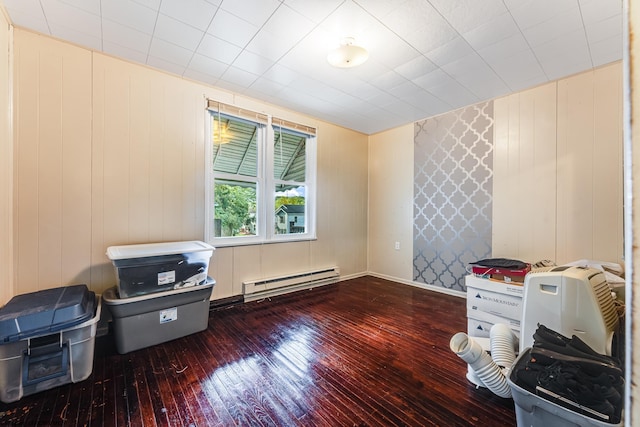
(506, 263)
(568, 372)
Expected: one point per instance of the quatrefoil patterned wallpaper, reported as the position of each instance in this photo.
(452, 199)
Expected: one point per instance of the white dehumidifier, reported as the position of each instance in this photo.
(571, 301)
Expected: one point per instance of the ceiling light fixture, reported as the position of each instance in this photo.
(348, 54)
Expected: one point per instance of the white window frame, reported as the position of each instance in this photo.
(265, 188)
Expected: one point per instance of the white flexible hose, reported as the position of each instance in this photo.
(473, 378)
(483, 365)
(503, 345)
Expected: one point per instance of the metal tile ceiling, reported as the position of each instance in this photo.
(426, 56)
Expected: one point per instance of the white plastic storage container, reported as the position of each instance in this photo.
(147, 320)
(155, 267)
(47, 339)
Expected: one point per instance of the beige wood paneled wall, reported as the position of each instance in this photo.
(590, 166)
(6, 163)
(524, 175)
(147, 157)
(558, 170)
(109, 153)
(391, 202)
(53, 163)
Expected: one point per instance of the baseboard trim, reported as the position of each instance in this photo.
(224, 303)
(352, 276)
(434, 288)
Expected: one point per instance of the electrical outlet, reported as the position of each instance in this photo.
(397, 246)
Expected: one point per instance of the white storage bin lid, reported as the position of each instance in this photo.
(156, 249)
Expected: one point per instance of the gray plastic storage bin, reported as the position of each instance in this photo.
(147, 320)
(534, 411)
(156, 267)
(47, 339)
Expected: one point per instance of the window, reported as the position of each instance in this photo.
(261, 178)
(289, 176)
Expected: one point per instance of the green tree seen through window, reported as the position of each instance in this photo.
(235, 208)
(297, 200)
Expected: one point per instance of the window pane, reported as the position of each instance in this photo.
(289, 155)
(235, 208)
(290, 205)
(235, 150)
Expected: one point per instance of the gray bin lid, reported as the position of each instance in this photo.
(44, 312)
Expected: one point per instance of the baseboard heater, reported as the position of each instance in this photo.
(263, 288)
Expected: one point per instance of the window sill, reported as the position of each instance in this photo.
(217, 244)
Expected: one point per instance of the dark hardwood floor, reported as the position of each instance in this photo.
(363, 352)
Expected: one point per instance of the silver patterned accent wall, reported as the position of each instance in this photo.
(452, 198)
